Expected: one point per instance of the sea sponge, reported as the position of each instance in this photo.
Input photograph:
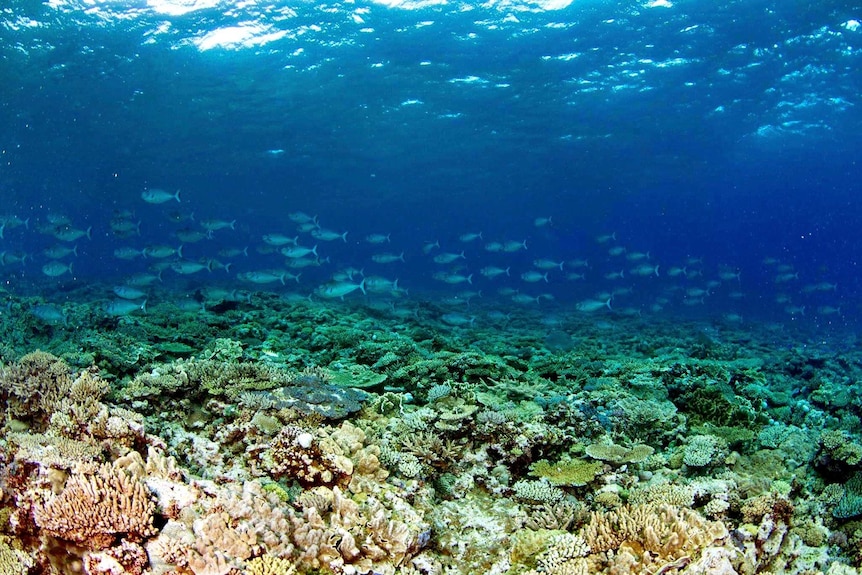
(94, 510)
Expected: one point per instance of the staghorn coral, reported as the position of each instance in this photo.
(94, 510)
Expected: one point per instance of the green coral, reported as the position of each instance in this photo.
(850, 504)
(566, 472)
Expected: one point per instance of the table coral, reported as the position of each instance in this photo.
(94, 510)
(619, 454)
(570, 472)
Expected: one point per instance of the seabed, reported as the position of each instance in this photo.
(275, 436)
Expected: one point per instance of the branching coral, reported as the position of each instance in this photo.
(645, 537)
(94, 510)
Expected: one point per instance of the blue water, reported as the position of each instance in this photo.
(718, 138)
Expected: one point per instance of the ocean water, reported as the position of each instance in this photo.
(715, 138)
(586, 222)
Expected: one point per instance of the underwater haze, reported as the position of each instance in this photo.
(430, 287)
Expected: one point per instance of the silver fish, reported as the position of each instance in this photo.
(159, 196)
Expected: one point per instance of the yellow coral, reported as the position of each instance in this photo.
(269, 565)
(574, 472)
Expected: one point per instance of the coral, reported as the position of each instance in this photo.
(13, 561)
(561, 516)
(537, 491)
(30, 386)
(296, 454)
(850, 504)
(310, 395)
(53, 451)
(364, 535)
(645, 537)
(618, 454)
(704, 451)
(570, 472)
(839, 446)
(95, 510)
(564, 555)
(667, 493)
(269, 565)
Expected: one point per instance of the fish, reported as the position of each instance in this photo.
(328, 235)
(593, 305)
(55, 269)
(213, 225)
(533, 276)
(547, 264)
(448, 258)
(279, 240)
(493, 247)
(143, 279)
(453, 278)
(457, 319)
(378, 238)
(523, 298)
(125, 228)
(470, 237)
(616, 251)
(262, 277)
(60, 251)
(129, 292)
(377, 284)
(387, 258)
(428, 247)
(127, 253)
(190, 236)
(162, 251)
(159, 196)
(605, 238)
(301, 218)
(491, 272)
(644, 270)
(637, 256)
(233, 252)
(297, 251)
(121, 307)
(49, 313)
(186, 267)
(339, 289)
(541, 222)
(67, 234)
(514, 246)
